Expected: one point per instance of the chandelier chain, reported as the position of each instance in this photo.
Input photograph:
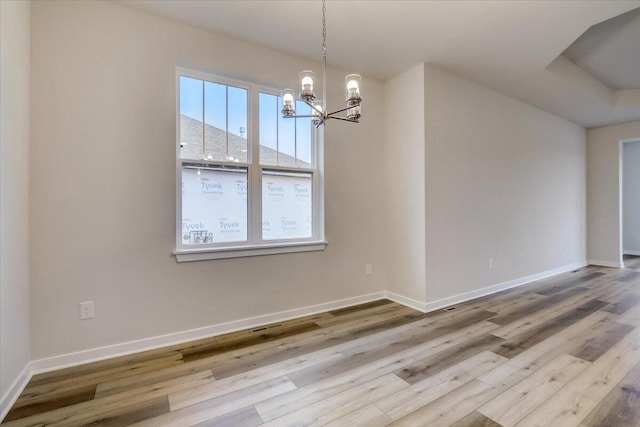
(324, 28)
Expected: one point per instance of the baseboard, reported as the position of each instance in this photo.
(122, 349)
(409, 302)
(601, 263)
(130, 347)
(14, 391)
(630, 252)
(466, 296)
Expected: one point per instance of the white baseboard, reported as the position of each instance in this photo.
(630, 252)
(601, 263)
(409, 302)
(14, 391)
(122, 349)
(457, 299)
(130, 347)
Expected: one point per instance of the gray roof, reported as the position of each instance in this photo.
(215, 145)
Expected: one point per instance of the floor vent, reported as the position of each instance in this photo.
(450, 308)
(264, 328)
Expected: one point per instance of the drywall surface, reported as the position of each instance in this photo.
(504, 184)
(14, 183)
(404, 183)
(103, 192)
(603, 186)
(631, 198)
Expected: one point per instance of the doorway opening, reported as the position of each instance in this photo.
(630, 203)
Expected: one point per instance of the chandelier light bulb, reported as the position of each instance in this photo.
(353, 88)
(288, 104)
(306, 82)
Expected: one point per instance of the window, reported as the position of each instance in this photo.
(249, 181)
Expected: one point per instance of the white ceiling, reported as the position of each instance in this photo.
(511, 46)
(610, 50)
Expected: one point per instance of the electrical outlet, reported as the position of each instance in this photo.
(368, 269)
(491, 263)
(86, 310)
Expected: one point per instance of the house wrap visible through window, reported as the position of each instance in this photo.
(249, 181)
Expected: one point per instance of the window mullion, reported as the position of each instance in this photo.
(255, 193)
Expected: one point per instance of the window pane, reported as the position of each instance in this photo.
(268, 121)
(191, 132)
(286, 139)
(286, 205)
(215, 118)
(214, 205)
(304, 131)
(237, 113)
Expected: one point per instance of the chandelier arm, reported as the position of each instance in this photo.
(343, 119)
(344, 109)
(306, 116)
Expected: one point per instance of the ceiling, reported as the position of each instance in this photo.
(610, 50)
(514, 47)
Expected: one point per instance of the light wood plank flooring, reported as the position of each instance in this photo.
(564, 351)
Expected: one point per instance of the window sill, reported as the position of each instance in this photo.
(187, 255)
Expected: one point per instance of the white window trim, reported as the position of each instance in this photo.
(254, 246)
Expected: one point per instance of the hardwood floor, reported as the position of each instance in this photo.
(564, 351)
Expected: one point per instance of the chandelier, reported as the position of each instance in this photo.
(319, 114)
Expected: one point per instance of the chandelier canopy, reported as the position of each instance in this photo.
(319, 114)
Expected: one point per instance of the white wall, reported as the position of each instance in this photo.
(505, 181)
(631, 199)
(404, 183)
(14, 190)
(103, 184)
(603, 184)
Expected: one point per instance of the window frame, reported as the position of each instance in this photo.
(255, 245)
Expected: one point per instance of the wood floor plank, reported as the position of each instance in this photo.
(369, 416)
(120, 385)
(49, 402)
(621, 407)
(565, 408)
(116, 363)
(269, 335)
(625, 303)
(428, 390)
(550, 290)
(246, 417)
(476, 419)
(238, 382)
(89, 411)
(452, 407)
(431, 365)
(630, 276)
(596, 346)
(512, 405)
(210, 409)
(527, 339)
(601, 377)
(129, 414)
(231, 363)
(537, 306)
(382, 349)
(321, 389)
(34, 393)
(359, 314)
(341, 404)
(631, 317)
(511, 329)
